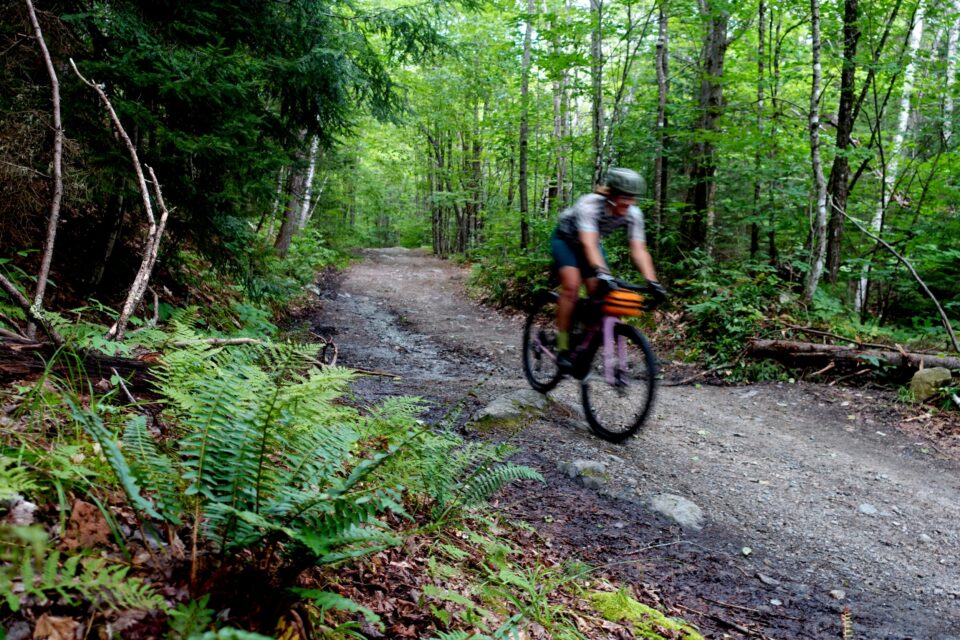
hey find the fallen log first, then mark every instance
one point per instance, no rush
(23, 358)
(811, 354)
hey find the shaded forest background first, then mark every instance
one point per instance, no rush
(285, 134)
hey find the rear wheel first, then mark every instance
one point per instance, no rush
(617, 407)
(540, 346)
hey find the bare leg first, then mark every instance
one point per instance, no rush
(569, 292)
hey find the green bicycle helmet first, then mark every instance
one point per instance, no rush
(625, 182)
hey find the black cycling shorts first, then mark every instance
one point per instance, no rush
(567, 255)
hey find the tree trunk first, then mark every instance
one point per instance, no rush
(660, 181)
(952, 38)
(698, 225)
(596, 72)
(889, 173)
(53, 218)
(840, 171)
(819, 233)
(308, 196)
(292, 213)
(524, 127)
(758, 157)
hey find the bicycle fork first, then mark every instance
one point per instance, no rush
(613, 370)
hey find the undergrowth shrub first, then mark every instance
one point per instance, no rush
(727, 307)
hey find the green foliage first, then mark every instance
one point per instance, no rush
(189, 619)
(327, 600)
(728, 307)
(42, 572)
(15, 479)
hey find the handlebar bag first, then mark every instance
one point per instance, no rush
(623, 303)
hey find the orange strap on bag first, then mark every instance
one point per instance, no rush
(623, 303)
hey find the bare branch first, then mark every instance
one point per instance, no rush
(916, 276)
(54, 217)
(152, 247)
(30, 310)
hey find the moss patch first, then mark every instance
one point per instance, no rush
(647, 621)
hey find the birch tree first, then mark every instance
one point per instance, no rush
(889, 171)
(952, 37)
(819, 234)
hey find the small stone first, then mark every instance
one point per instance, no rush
(868, 509)
(926, 382)
(838, 594)
(776, 602)
(677, 508)
(746, 551)
(767, 580)
(925, 538)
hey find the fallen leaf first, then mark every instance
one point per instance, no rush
(55, 628)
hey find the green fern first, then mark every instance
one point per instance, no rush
(93, 425)
(15, 479)
(328, 600)
(190, 618)
(39, 571)
(491, 479)
(153, 469)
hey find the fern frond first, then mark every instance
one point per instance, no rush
(15, 479)
(93, 425)
(42, 572)
(190, 618)
(230, 633)
(486, 483)
(328, 600)
(153, 469)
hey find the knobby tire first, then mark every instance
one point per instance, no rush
(615, 414)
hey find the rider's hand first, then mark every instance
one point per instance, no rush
(658, 291)
(606, 281)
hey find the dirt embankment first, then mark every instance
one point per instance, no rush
(812, 499)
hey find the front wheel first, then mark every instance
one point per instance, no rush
(618, 391)
(540, 346)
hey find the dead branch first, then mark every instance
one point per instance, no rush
(123, 385)
(156, 229)
(54, 217)
(31, 312)
(216, 342)
(827, 334)
(913, 272)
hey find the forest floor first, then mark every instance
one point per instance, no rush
(815, 499)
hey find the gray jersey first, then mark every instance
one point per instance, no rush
(589, 213)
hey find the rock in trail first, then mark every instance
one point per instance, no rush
(816, 481)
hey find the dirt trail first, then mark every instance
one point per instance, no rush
(818, 482)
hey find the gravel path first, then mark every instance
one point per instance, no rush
(835, 506)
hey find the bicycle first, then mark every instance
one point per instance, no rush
(617, 389)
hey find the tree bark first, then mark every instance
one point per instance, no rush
(952, 38)
(296, 183)
(840, 171)
(308, 196)
(699, 220)
(819, 233)
(889, 173)
(596, 74)
(524, 127)
(814, 354)
(53, 218)
(660, 173)
(758, 157)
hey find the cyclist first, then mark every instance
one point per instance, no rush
(578, 254)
